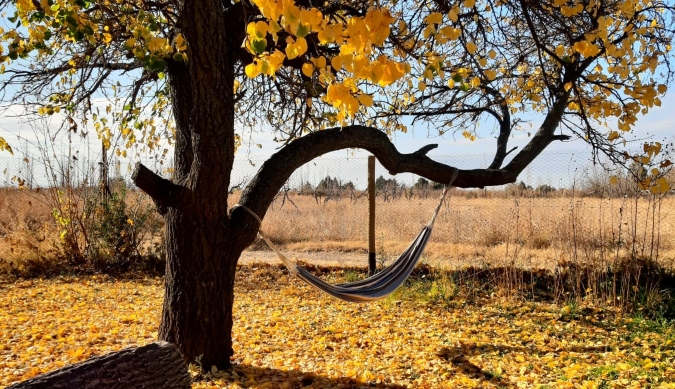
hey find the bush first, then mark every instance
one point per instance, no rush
(104, 232)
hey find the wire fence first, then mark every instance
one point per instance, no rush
(550, 171)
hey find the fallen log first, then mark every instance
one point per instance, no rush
(157, 365)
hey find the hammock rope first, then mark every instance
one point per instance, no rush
(375, 287)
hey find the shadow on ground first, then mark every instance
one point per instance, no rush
(459, 357)
(246, 375)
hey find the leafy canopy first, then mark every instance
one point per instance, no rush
(304, 67)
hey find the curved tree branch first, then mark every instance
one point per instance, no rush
(274, 173)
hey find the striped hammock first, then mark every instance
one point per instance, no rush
(375, 287)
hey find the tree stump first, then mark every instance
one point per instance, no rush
(158, 365)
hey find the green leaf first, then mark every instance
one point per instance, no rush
(259, 46)
(302, 31)
(71, 20)
(156, 64)
(78, 35)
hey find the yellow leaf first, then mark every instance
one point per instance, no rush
(4, 146)
(469, 3)
(471, 47)
(434, 18)
(586, 49)
(366, 100)
(257, 29)
(336, 62)
(307, 69)
(319, 62)
(614, 180)
(130, 43)
(573, 106)
(662, 185)
(560, 50)
(179, 41)
(296, 48)
(252, 70)
(450, 32)
(452, 15)
(613, 135)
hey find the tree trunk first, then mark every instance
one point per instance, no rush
(197, 311)
(157, 365)
(202, 245)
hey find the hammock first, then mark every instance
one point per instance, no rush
(375, 287)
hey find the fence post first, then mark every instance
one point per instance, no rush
(104, 184)
(371, 215)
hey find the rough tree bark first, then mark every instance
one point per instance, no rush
(155, 366)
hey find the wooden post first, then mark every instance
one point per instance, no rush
(104, 184)
(371, 216)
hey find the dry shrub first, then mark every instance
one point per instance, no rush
(49, 231)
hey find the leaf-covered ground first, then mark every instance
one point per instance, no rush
(290, 336)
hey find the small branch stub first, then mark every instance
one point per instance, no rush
(163, 192)
(424, 150)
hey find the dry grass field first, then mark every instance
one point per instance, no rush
(526, 231)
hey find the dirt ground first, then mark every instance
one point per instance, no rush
(316, 258)
(337, 259)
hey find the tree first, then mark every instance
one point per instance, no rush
(382, 183)
(329, 184)
(422, 183)
(340, 74)
(545, 189)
